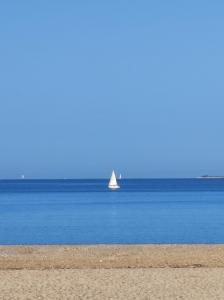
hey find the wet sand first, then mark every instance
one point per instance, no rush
(112, 272)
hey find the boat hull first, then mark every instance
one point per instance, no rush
(115, 187)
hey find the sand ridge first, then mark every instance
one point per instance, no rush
(111, 256)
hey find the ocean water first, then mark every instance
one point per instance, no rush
(86, 212)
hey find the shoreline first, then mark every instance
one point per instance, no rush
(111, 256)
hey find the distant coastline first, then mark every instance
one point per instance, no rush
(211, 177)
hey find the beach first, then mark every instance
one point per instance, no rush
(112, 272)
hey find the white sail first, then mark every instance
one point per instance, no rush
(113, 182)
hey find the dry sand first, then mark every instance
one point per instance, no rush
(112, 272)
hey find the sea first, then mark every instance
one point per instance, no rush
(142, 211)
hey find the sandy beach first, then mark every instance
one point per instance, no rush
(112, 272)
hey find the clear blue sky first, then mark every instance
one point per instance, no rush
(87, 86)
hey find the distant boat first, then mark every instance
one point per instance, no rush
(113, 182)
(120, 176)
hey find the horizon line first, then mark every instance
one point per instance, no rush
(107, 178)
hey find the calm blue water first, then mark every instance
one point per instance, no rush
(85, 212)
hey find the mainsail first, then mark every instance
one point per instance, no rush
(113, 182)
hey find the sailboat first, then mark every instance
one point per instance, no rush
(113, 182)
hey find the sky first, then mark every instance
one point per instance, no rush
(91, 86)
